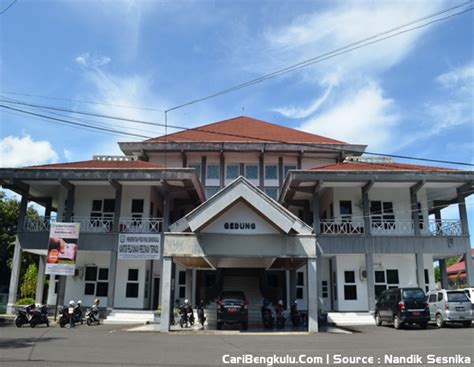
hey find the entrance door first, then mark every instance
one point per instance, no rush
(156, 292)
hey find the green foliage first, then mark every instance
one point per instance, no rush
(28, 284)
(25, 301)
(9, 212)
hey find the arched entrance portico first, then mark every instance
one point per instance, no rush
(241, 229)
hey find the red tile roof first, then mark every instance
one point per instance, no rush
(364, 166)
(244, 129)
(460, 266)
(101, 164)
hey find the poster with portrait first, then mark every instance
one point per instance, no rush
(62, 248)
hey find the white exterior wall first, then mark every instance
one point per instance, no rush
(121, 301)
(351, 263)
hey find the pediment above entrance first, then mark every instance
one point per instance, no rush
(243, 205)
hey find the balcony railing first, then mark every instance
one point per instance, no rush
(337, 227)
(397, 227)
(445, 227)
(141, 225)
(99, 225)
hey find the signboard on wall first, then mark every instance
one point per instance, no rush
(62, 248)
(139, 247)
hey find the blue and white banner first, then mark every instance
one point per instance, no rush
(139, 247)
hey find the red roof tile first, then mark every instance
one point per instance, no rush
(364, 166)
(100, 164)
(460, 266)
(244, 129)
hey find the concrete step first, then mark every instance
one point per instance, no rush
(351, 318)
(130, 317)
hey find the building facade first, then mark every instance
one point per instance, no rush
(243, 204)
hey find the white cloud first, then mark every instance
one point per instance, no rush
(87, 60)
(461, 76)
(363, 115)
(24, 151)
(303, 112)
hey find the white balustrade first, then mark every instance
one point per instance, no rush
(141, 225)
(338, 227)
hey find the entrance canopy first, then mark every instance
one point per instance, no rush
(240, 226)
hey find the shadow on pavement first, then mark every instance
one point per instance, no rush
(23, 342)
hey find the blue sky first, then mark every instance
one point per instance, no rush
(410, 95)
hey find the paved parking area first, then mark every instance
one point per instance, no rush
(112, 345)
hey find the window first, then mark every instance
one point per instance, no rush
(211, 191)
(213, 172)
(382, 215)
(102, 209)
(299, 285)
(131, 290)
(427, 280)
(182, 284)
(420, 215)
(379, 289)
(350, 290)
(286, 169)
(232, 171)
(392, 276)
(432, 298)
(251, 171)
(197, 168)
(272, 192)
(56, 283)
(324, 288)
(271, 172)
(345, 208)
(440, 296)
(96, 281)
(334, 282)
(379, 276)
(137, 209)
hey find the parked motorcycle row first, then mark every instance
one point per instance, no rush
(69, 315)
(297, 317)
(186, 313)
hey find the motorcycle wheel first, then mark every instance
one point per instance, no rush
(89, 322)
(18, 322)
(181, 323)
(32, 323)
(62, 323)
(47, 323)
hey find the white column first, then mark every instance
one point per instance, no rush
(469, 268)
(443, 273)
(420, 270)
(193, 288)
(165, 294)
(312, 295)
(14, 278)
(40, 281)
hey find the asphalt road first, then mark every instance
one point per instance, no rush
(112, 345)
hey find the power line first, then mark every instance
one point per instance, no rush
(73, 123)
(8, 7)
(83, 101)
(312, 145)
(331, 54)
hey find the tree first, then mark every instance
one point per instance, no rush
(28, 284)
(449, 261)
(9, 212)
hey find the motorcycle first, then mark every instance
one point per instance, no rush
(78, 314)
(267, 318)
(39, 316)
(200, 314)
(187, 316)
(92, 316)
(23, 316)
(297, 318)
(65, 318)
(280, 318)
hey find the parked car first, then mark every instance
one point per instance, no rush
(232, 308)
(469, 293)
(402, 306)
(450, 306)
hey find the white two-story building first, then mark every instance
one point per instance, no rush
(244, 204)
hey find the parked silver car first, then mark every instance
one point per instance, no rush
(469, 293)
(449, 306)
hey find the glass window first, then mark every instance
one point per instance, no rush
(271, 172)
(197, 168)
(232, 171)
(440, 296)
(102, 289)
(379, 289)
(427, 277)
(103, 274)
(91, 273)
(457, 297)
(137, 205)
(131, 290)
(109, 205)
(392, 276)
(89, 289)
(133, 274)
(299, 293)
(211, 191)
(213, 172)
(182, 292)
(379, 276)
(286, 169)
(182, 277)
(251, 171)
(300, 278)
(345, 207)
(349, 276)
(350, 292)
(96, 205)
(432, 298)
(272, 192)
